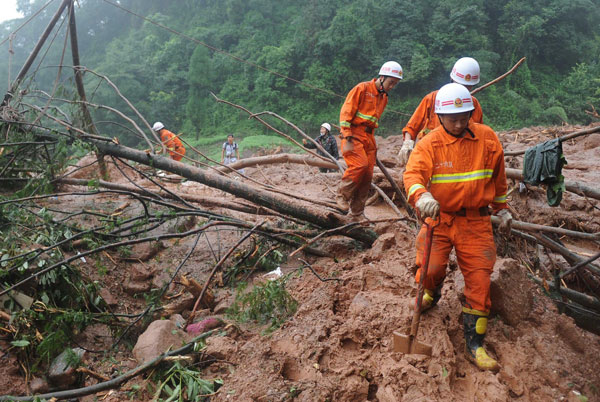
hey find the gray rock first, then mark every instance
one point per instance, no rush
(160, 336)
(60, 373)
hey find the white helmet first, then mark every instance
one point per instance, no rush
(391, 69)
(453, 98)
(466, 71)
(158, 126)
(327, 126)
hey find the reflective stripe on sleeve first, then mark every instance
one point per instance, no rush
(345, 124)
(414, 188)
(500, 199)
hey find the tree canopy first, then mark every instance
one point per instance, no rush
(299, 59)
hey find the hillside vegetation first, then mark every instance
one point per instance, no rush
(227, 46)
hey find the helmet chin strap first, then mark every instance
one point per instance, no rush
(381, 81)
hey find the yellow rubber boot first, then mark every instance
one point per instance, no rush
(475, 326)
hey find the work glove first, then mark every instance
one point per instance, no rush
(407, 147)
(348, 145)
(428, 206)
(505, 221)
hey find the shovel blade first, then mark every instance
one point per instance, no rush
(408, 345)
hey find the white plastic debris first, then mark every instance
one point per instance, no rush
(275, 274)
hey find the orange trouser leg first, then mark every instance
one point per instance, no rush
(361, 162)
(476, 255)
(473, 241)
(438, 260)
(178, 154)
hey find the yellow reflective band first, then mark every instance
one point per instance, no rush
(481, 325)
(414, 188)
(500, 198)
(475, 312)
(367, 117)
(345, 124)
(462, 177)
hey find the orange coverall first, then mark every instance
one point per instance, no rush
(424, 118)
(465, 175)
(359, 117)
(173, 144)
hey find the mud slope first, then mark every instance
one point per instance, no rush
(338, 345)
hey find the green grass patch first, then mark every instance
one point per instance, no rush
(267, 303)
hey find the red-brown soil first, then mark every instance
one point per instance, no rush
(337, 347)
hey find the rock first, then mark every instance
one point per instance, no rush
(180, 304)
(160, 336)
(161, 279)
(144, 251)
(140, 272)
(221, 347)
(382, 244)
(201, 327)
(110, 300)
(178, 320)
(135, 288)
(39, 385)
(60, 373)
(511, 291)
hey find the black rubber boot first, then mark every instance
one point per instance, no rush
(475, 325)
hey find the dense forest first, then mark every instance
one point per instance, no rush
(299, 59)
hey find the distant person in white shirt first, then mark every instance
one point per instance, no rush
(230, 152)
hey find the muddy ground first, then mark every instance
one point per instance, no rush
(337, 346)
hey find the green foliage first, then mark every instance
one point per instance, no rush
(63, 296)
(267, 303)
(330, 44)
(181, 383)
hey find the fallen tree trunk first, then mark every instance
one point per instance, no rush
(204, 201)
(284, 205)
(578, 297)
(278, 158)
(572, 186)
(571, 257)
(533, 227)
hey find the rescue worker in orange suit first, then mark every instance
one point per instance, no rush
(359, 117)
(457, 172)
(170, 140)
(466, 72)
